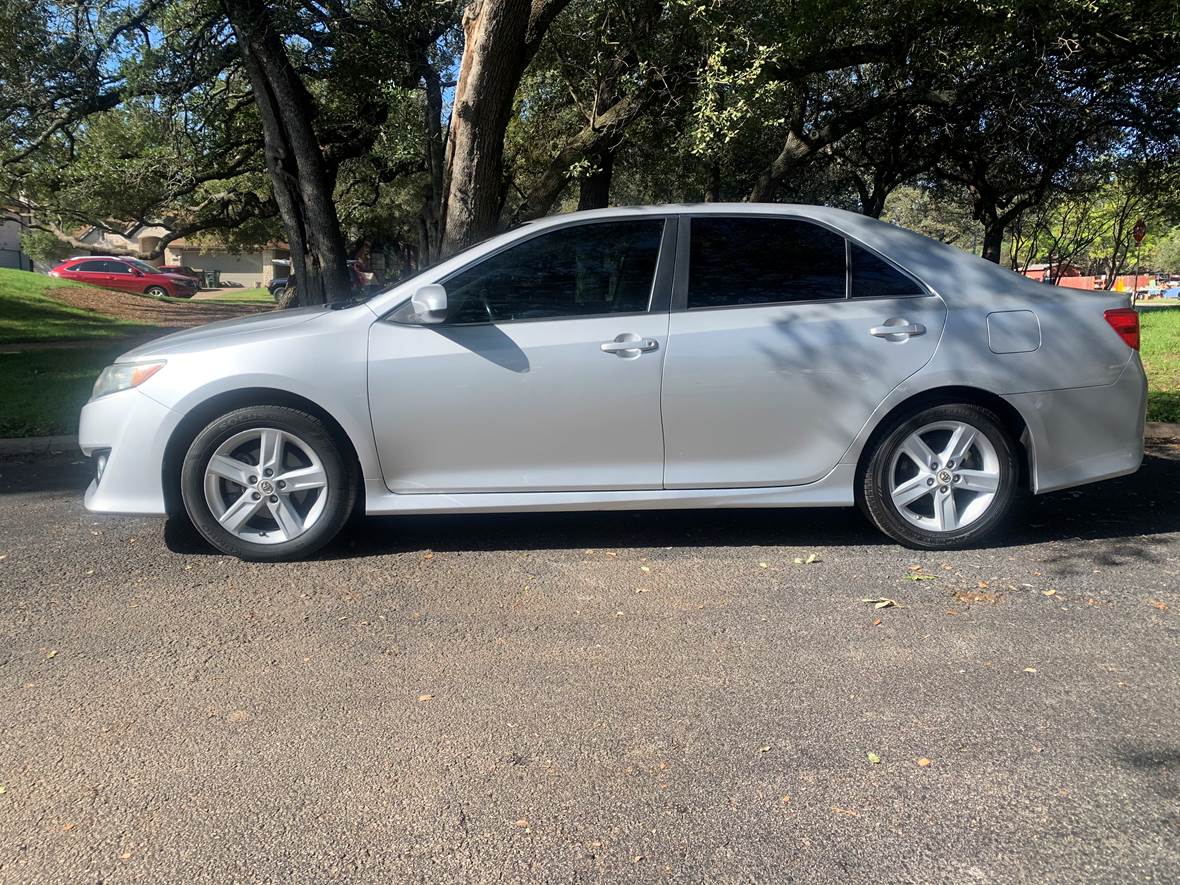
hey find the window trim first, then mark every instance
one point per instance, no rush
(683, 254)
(661, 288)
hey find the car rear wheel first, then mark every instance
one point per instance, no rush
(944, 477)
(267, 483)
(156, 291)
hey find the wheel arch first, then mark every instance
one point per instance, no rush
(1009, 416)
(218, 404)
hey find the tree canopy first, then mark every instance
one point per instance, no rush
(426, 126)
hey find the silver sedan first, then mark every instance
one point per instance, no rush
(683, 356)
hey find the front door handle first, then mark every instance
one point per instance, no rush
(629, 344)
(897, 329)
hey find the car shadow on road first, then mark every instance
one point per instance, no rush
(1128, 518)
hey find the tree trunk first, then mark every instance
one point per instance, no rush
(299, 175)
(499, 39)
(993, 239)
(594, 189)
(430, 244)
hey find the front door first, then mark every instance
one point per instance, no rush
(787, 339)
(545, 376)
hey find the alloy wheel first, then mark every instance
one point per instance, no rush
(265, 486)
(944, 476)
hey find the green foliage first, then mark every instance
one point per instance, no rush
(43, 246)
(1160, 350)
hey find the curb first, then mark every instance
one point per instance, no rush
(51, 445)
(38, 445)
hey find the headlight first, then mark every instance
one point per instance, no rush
(123, 376)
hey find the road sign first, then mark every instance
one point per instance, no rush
(1139, 231)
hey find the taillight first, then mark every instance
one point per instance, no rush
(1125, 321)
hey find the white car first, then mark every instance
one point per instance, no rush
(680, 356)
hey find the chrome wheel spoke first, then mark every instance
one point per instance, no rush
(918, 452)
(911, 490)
(960, 443)
(270, 453)
(302, 479)
(978, 480)
(285, 515)
(946, 513)
(239, 512)
(237, 472)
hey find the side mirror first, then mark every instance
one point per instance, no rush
(137, 271)
(429, 304)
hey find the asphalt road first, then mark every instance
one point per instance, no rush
(666, 696)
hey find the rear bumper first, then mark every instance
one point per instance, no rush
(135, 430)
(1085, 434)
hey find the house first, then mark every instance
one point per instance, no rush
(1046, 272)
(11, 254)
(243, 269)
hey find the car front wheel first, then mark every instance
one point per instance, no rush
(156, 291)
(267, 483)
(942, 478)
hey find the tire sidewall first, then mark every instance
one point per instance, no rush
(876, 481)
(156, 292)
(341, 492)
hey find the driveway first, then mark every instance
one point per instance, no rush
(627, 697)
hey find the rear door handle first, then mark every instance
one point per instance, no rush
(628, 343)
(897, 330)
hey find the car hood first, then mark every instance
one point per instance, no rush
(226, 331)
(178, 277)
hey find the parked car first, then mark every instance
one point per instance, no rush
(277, 287)
(690, 356)
(182, 269)
(126, 274)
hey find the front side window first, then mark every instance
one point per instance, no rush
(115, 267)
(872, 277)
(582, 270)
(739, 261)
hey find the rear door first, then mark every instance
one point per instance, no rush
(783, 339)
(546, 374)
(91, 271)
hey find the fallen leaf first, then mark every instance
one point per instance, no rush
(3, 556)
(786, 800)
(811, 559)
(522, 823)
(3, 789)
(915, 568)
(876, 622)
(874, 758)
(923, 762)
(52, 654)
(642, 590)
(763, 565)
(644, 568)
(1049, 592)
(880, 601)
(983, 585)
(1160, 604)
(429, 554)
(846, 811)
(1030, 669)
(126, 855)
(423, 698)
(65, 828)
(764, 749)
(610, 553)
(916, 576)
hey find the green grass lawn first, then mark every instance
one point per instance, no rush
(28, 314)
(1160, 349)
(42, 391)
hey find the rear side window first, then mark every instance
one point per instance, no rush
(88, 267)
(737, 261)
(874, 278)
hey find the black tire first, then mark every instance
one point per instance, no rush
(156, 291)
(875, 481)
(340, 470)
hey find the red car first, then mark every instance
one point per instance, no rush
(127, 274)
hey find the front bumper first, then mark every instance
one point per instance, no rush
(1085, 434)
(135, 430)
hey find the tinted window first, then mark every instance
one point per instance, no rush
(89, 267)
(575, 271)
(115, 267)
(874, 278)
(763, 260)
